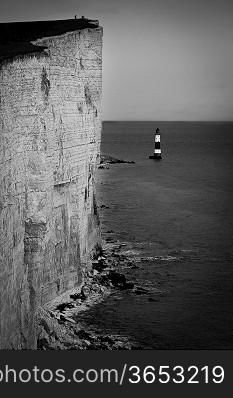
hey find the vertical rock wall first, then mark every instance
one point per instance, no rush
(50, 126)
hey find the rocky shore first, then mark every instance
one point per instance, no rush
(106, 160)
(61, 325)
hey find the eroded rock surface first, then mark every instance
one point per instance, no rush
(50, 126)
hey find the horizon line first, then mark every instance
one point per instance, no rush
(166, 121)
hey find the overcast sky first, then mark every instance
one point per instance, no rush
(163, 59)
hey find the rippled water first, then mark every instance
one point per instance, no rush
(175, 218)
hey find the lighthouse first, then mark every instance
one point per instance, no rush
(157, 150)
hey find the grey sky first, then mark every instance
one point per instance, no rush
(163, 59)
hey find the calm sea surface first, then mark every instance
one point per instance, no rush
(176, 214)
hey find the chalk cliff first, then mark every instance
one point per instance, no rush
(50, 128)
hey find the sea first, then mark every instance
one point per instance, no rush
(174, 218)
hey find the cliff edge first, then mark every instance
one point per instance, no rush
(50, 130)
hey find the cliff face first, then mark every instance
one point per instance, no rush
(50, 126)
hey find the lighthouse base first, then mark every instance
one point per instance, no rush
(156, 156)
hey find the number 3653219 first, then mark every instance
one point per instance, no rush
(177, 374)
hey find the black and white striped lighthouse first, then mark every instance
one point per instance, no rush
(157, 150)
